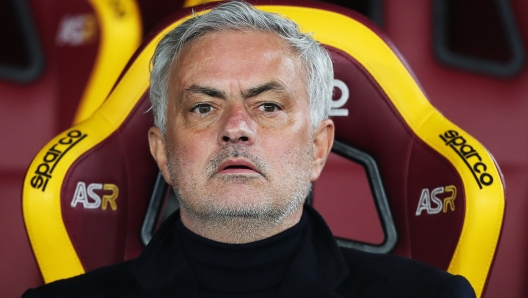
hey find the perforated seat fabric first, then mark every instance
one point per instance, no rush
(444, 190)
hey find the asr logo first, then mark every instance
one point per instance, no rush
(336, 106)
(90, 199)
(76, 30)
(432, 204)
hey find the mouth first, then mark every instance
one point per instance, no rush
(237, 166)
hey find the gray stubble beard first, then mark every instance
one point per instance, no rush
(244, 222)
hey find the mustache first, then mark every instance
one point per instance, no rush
(237, 151)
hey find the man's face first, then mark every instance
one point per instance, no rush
(239, 141)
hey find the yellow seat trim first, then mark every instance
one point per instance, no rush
(120, 30)
(191, 3)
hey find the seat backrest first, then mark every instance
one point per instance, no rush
(439, 192)
(54, 54)
(484, 38)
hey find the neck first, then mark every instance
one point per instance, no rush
(238, 230)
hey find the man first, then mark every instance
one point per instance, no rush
(240, 100)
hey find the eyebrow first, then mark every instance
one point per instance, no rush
(209, 91)
(251, 92)
(271, 86)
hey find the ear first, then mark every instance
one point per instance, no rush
(158, 150)
(323, 141)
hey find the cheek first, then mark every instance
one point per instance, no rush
(190, 154)
(289, 151)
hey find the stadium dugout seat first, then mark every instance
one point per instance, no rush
(55, 55)
(439, 196)
(490, 104)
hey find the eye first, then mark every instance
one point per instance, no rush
(202, 108)
(269, 107)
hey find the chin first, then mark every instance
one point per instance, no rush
(243, 199)
(239, 203)
(243, 196)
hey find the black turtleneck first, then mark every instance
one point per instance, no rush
(301, 262)
(241, 270)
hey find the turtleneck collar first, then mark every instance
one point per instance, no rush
(314, 269)
(254, 269)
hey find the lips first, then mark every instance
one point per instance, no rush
(237, 166)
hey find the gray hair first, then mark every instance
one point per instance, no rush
(238, 15)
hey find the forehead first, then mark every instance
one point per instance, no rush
(247, 56)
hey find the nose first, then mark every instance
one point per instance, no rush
(237, 128)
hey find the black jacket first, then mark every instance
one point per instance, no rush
(319, 269)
